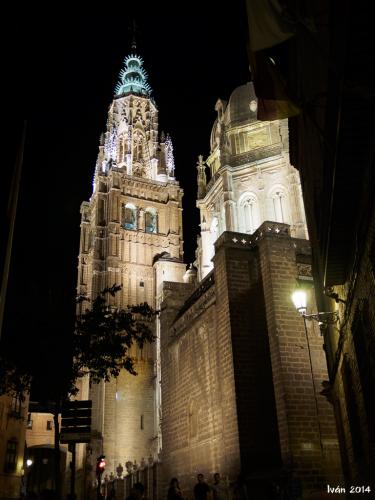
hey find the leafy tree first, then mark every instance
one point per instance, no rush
(104, 335)
(100, 343)
(100, 347)
(15, 380)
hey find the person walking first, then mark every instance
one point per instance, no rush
(174, 491)
(201, 489)
(219, 488)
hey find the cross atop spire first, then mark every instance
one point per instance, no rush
(134, 41)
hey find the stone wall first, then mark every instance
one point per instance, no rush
(199, 415)
(241, 376)
(352, 365)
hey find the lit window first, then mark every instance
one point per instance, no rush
(150, 220)
(129, 216)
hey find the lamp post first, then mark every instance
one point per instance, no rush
(300, 303)
(29, 463)
(323, 318)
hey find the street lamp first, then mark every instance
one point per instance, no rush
(299, 299)
(29, 462)
(323, 318)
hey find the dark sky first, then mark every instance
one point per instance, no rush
(61, 69)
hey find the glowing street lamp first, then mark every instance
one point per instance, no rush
(29, 462)
(299, 301)
(323, 318)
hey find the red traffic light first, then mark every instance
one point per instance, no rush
(100, 465)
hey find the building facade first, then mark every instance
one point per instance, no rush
(251, 178)
(131, 234)
(233, 380)
(241, 370)
(332, 145)
(13, 417)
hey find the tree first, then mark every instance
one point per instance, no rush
(104, 335)
(15, 380)
(100, 347)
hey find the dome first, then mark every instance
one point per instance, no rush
(242, 104)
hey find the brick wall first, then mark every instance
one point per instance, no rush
(198, 398)
(237, 386)
(305, 419)
(238, 277)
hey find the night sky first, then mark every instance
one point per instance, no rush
(62, 68)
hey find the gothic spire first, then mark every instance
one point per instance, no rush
(133, 77)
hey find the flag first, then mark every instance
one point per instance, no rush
(269, 27)
(274, 102)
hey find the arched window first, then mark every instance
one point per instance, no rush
(129, 216)
(279, 206)
(214, 228)
(151, 220)
(249, 214)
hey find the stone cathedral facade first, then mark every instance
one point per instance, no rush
(131, 234)
(233, 381)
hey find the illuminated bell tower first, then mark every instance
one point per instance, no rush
(131, 234)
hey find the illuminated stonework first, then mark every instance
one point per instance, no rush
(131, 234)
(133, 78)
(252, 179)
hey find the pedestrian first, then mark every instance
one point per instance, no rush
(219, 488)
(201, 489)
(137, 492)
(174, 491)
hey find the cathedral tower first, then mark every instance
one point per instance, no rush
(131, 234)
(251, 178)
